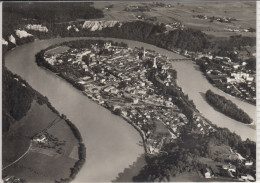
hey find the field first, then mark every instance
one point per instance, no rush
(14, 147)
(41, 163)
(184, 11)
(160, 127)
(37, 164)
(63, 132)
(37, 119)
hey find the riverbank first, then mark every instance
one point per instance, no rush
(126, 119)
(55, 147)
(118, 139)
(198, 86)
(102, 87)
(47, 84)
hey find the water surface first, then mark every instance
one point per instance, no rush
(112, 144)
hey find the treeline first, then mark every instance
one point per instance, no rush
(89, 42)
(16, 99)
(41, 62)
(227, 107)
(156, 34)
(226, 47)
(81, 153)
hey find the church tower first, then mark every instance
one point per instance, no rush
(154, 63)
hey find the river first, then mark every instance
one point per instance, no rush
(112, 144)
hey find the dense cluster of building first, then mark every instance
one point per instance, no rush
(231, 77)
(118, 80)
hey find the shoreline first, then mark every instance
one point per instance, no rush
(127, 120)
(213, 84)
(131, 45)
(103, 37)
(83, 92)
(42, 100)
(93, 100)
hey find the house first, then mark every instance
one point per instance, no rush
(249, 163)
(250, 177)
(247, 177)
(82, 82)
(124, 113)
(8, 178)
(229, 167)
(114, 91)
(135, 101)
(103, 80)
(86, 78)
(207, 173)
(168, 104)
(41, 138)
(236, 66)
(108, 89)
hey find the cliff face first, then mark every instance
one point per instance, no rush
(4, 42)
(12, 39)
(22, 34)
(98, 25)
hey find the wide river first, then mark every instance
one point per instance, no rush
(112, 144)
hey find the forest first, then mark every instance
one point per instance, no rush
(156, 34)
(15, 13)
(226, 47)
(227, 107)
(16, 99)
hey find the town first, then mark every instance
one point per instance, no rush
(118, 80)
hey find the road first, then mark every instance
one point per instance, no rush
(19, 157)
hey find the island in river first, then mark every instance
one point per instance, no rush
(34, 148)
(138, 85)
(227, 107)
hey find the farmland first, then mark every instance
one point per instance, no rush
(40, 146)
(183, 12)
(38, 160)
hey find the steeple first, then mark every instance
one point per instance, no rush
(144, 53)
(154, 63)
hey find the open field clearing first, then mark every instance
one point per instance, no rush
(37, 119)
(14, 147)
(41, 163)
(63, 132)
(29, 174)
(35, 166)
(243, 12)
